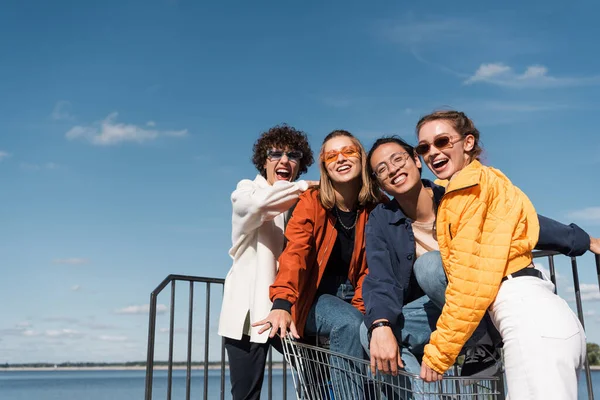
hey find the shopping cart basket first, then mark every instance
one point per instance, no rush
(319, 373)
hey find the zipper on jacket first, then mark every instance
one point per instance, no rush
(457, 189)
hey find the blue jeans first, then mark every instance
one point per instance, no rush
(418, 321)
(340, 321)
(430, 274)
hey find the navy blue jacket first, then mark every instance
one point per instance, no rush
(390, 246)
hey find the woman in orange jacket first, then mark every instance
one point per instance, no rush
(318, 288)
(486, 230)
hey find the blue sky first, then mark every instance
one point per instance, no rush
(125, 125)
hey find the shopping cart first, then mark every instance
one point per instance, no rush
(320, 374)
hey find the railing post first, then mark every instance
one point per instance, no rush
(150, 355)
(188, 378)
(577, 289)
(598, 268)
(270, 377)
(552, 272)
(206, 339)
(171, 340)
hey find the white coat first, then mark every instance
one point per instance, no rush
(257, 234)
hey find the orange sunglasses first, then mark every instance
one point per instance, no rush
(346, 151)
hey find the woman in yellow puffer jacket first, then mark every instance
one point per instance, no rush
(486, 229)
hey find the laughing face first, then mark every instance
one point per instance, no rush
(342, 159)
(397, 172)
(281, 169)
(453, 157)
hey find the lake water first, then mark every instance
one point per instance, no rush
(129, 385)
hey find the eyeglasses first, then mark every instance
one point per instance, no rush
(397, 160)
(440, 142)
(346, 151)
(294, 155)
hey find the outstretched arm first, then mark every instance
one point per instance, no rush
(569, 240)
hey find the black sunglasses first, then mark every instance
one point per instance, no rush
(293, 155)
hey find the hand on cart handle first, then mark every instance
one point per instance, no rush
(595, 245)
(385, 353)
(278, 321)
(430, 375)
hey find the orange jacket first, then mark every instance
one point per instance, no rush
(486, 229)
(311, 235)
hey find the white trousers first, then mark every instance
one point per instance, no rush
(544, 343)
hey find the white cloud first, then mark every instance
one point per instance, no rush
(75, 288)
(30, 333)
(109, 132)
(3, 155)
(61, 319)
(23, 324)
(38, 167)
(70, 333)
(97, 326)
(337, 102)
(62, 111)
(589, 291)
(546, 271)
(108, 338)
(150, 123)
(535, 76)
(589, 215)
(142, 309)
(432, 30)
(175, 330)
(71, 261)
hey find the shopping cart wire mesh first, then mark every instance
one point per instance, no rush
(320, 374)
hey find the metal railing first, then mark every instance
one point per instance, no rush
(210, 282)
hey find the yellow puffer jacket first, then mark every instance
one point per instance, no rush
(487, 228)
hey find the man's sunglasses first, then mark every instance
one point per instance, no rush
(293, 155)
(440, 142)
(346, 151)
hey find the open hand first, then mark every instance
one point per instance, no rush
(277, 321)
(595, 245)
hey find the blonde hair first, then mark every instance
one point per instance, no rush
(368, 191)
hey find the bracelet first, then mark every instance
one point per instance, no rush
(376, 325)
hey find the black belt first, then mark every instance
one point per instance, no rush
(525, 272)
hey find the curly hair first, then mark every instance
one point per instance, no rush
(282, 137)
(460, 122)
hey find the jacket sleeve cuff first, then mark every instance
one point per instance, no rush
(282, 304)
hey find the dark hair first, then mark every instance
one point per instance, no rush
(282, 137)
(389, 139)
(460, 122)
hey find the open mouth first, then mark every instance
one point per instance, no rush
(343, 168)
(283, 174)
(399, 179)
(440, 163)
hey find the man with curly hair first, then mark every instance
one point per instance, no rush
(260, 213)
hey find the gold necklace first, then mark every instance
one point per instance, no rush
(342, 223)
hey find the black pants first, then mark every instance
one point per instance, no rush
(247, 365)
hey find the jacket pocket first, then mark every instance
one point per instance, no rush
(450, 231)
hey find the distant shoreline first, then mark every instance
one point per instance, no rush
(277, 365)
(196, 367)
